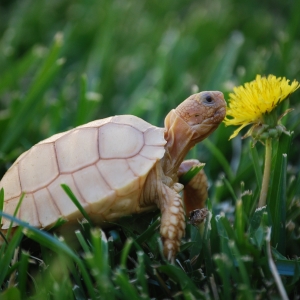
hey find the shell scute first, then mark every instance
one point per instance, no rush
(39, 168)
(64, 204)
(11, 183)
(20, 157)
(133, 121)
(93, 188)
(118, 175)
(28, 212)
(9, 208)
(140, 165)
(77, 149)
(47, 210)
(153, 152)
(119, 141)
(154, 136)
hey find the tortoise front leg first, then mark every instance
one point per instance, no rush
(195, 192)
(172, 220)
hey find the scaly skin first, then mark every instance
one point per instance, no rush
(191, 122)
(195, 192)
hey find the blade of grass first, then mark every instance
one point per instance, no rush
(256, 219)
(87, 103)
(148, 232)
(224, 265)
(29, 104)
(240, 222)
(14, 215)
(77, 203)
(141, 275)
(1, 202)
(230, 189)
(221, 72)
(126, 287)
(220, 157)
(279, 230)
(197, 242)
(11, 293)
(283, 146)
(249, 203)
(58, 223)
(55, 245)
(18, 68)
(189, 175)
(246, 286)
(111, 253)
(125, 252)
(9, 252)
(82, 241)
(226, 234)
(22, 273)
(81, 110)
(214, 235)
(273, 268)
(297, 191)
(207, 246)
(190, 291)
(100, 246)
(256, 165)
(98, 263)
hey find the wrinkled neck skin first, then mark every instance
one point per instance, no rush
(180, 139)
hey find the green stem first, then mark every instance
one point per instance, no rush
(266, 177)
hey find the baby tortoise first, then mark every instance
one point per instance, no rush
(115, 167)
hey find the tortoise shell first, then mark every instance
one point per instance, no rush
(104, 162)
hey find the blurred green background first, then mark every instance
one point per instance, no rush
(66, 62)
(63, 63)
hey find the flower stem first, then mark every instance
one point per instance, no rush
(266, 177)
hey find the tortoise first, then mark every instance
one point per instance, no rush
(117, 166)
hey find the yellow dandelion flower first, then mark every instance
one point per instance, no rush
(249, 104)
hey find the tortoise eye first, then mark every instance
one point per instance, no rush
(208, 98)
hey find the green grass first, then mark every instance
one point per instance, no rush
(64, 63)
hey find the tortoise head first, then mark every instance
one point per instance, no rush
(203, 112)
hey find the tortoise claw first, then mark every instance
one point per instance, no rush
(170, 256)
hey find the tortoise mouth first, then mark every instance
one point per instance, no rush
(217, 117)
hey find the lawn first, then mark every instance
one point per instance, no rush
(64, 63)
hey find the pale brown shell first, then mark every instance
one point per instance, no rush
(104, 162)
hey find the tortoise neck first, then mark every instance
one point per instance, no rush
(179, 136)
